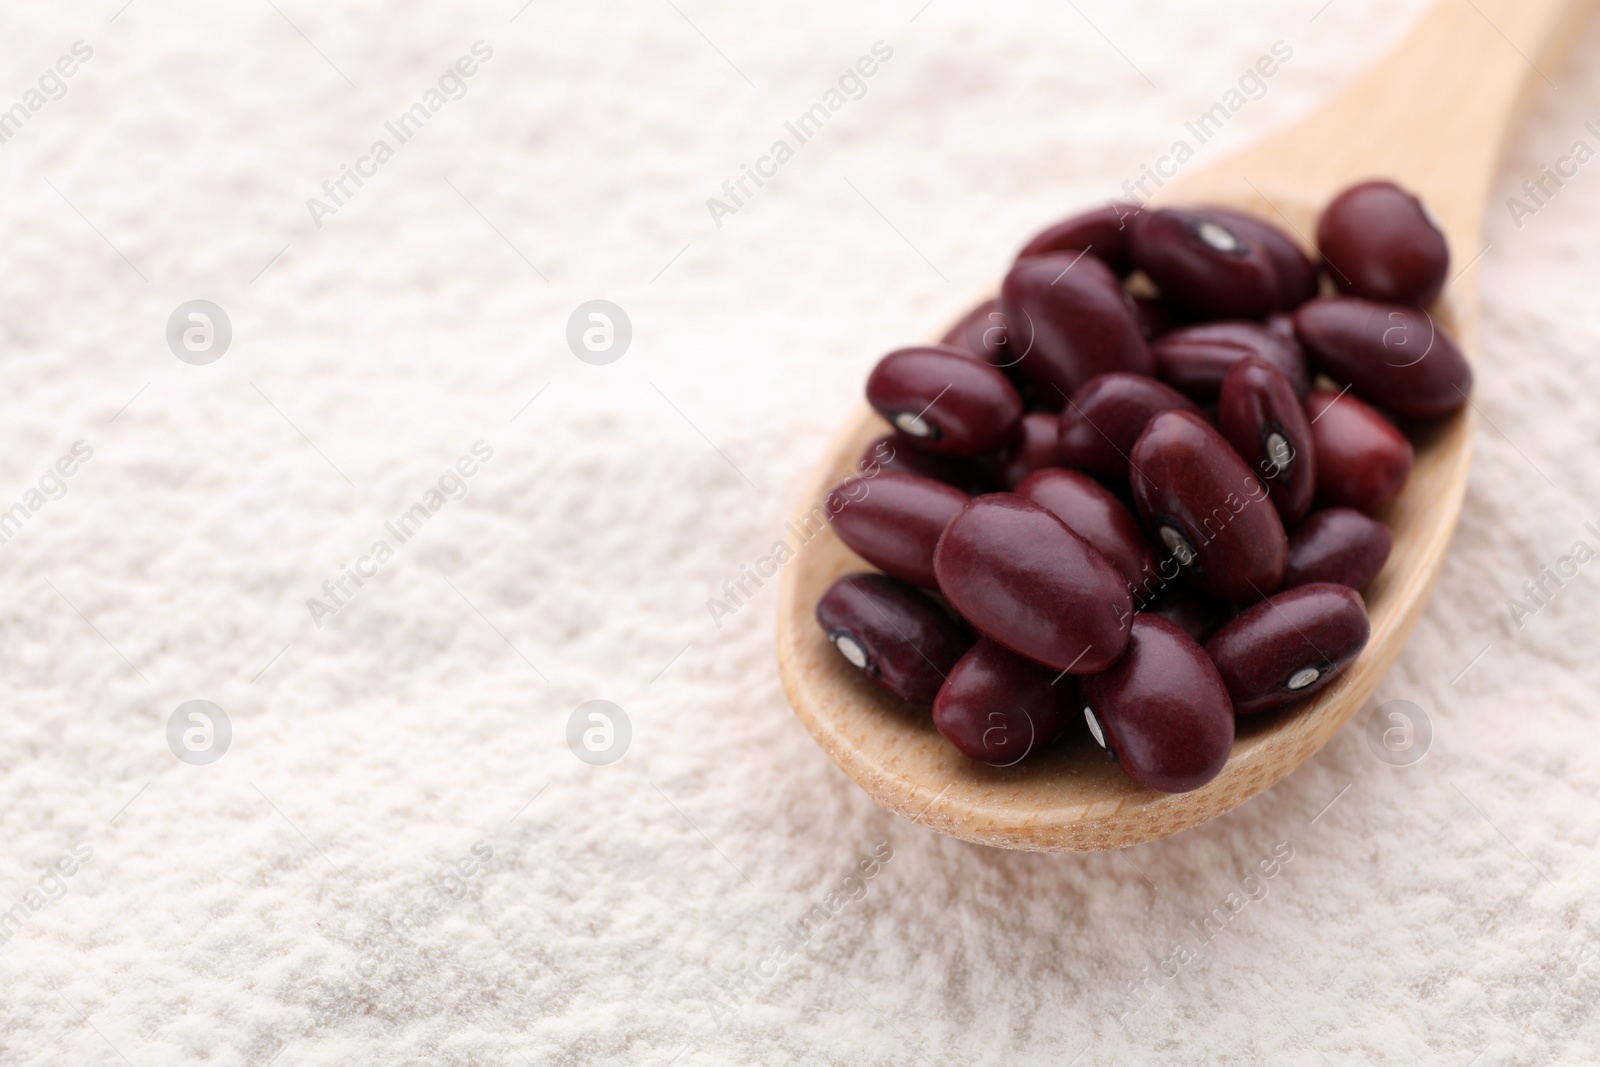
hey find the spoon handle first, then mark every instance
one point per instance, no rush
(1433, 114)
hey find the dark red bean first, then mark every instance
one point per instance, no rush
(1102, 232)
(1094, 513)
(1205, 268)
(1107, 415)
(904, 642)
(1338, 545)
(945, 400)
(1289, 646)
(1197, 614)
(1362, 460)
(1208, 507)
(1195, 359)
(1155, 318)
(1380, 243)
(998, 707)
(1162, 712)
(1068, 320)
(1022, 578)
(1039, 448)
(895, 452)
(982, 332)
(894, 521)
(1282, 322)
(1298, 276)
(1261, 417)
(1397, 357)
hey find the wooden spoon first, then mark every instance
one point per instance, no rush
(1433, 116)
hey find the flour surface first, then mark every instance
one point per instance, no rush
(399, 859)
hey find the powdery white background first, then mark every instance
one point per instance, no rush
(232, 914)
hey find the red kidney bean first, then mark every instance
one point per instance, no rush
(1198, 615)
(1380, 243)
(895, 452)
(1107, 415)
(1208, 508)
(1362, 460)
(1338, 545)
(1289, 646)
(945, 400)
(1162, 712)
(998, 707)
(1102, 233)
(1018, 575)
(902, 641)
(1155, 318)
(1298, 277)
(1282, 322)
(1195, 359)
(1262, 419)
(1094, 513)
(982, 332)
(1396, 357)
(1069, 320)
(1038, 449)
(894, 521)
(1205, 268)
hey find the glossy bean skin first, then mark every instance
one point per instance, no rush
(1019, 576)
(946, 401)
(1262, 418)
(904, 643)
(1039, 448)
(1337, 545)
(1162, 713)
(1094, 513)
(1102, 232)
(895, 452)
(1362, 460)
(1069, 320)
(998, 707)
(1195, 359)
(1107, 415)
(1205, 268)
(1380, 243)
(1289, 646)
(1396, 357)
(1283, 322)
(893, 521)
(982, 333)
(1299, 278)
(1197, 615)
(1208, 507)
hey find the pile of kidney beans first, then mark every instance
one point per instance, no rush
(1140, 490)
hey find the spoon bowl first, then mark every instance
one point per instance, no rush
(1433, 117)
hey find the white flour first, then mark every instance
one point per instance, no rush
(399, 859)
